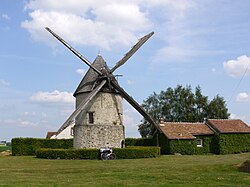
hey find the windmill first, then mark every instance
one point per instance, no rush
(98, 113)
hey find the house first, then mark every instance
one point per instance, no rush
(212, 136)
(231, 136)
(3, 143)
(50, 134)
(66, 133)
(185, 138)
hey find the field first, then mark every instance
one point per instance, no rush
(203, 170)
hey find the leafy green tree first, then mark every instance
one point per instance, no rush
(217, 108)
(181, 104)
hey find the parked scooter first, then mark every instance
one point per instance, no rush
(107, 153)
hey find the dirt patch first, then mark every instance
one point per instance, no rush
(5, 153)
(245, 167)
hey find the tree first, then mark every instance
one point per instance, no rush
(181, 104)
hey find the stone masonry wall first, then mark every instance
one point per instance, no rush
(108, 123)
(96, 136)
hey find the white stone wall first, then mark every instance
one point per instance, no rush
(108, 123)
(96, 136)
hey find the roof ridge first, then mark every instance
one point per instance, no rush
(224, 119)
(165, 122)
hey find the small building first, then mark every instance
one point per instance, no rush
(3, 143)
(223, 136)
(231, 136)
(66, 133)
(185, 138)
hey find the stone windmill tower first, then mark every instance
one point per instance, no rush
(98, 114)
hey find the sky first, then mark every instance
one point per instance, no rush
(205, 43)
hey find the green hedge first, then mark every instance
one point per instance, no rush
(233, 143)
(124, 153)
(139, 142)
(5, 148)
(28, 146)
(184, 147)
(137, 152)
(68, 153)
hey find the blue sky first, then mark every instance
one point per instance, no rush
(204, 43)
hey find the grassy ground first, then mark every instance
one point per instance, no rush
(203, 170)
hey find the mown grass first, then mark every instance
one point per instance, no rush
(203, 170)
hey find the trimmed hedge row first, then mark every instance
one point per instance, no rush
(68, 153)
(123, 153)
(28, 146)
(137, 152)
(5, 148)
(139, 142)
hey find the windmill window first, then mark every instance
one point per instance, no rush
(91, 117)
(199, 142)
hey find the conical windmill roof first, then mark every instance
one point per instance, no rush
(88, 81)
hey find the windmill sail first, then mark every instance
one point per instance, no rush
(135, 104)
(83, 106)
(132, 51)
(73, 50)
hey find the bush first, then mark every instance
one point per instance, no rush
(137, 152)
(139, 142)
(4, 148)
(28, 146)
(121, 153)
(68, 153)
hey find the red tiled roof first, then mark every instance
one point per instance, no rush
(49, 134)
(184, 130)
(229, 125)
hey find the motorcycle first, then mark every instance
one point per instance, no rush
(107, 153)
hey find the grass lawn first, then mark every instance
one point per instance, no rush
(202, 170)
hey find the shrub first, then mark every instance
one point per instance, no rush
(121, 153)
(139, 142)
(28, 146)
(68, 153)
(4, 148)
(137, 152)
(184, 147)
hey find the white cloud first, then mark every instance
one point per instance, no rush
(237, 67)
(129, 82)
(54, 97)
(213, 70)
(30, 113)
(81, 72)
(4, 83)
(5, 16)
(131, 120)
(245, 118)
(92, 23)
(243, 97)
(234, 116)
(20, 123)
